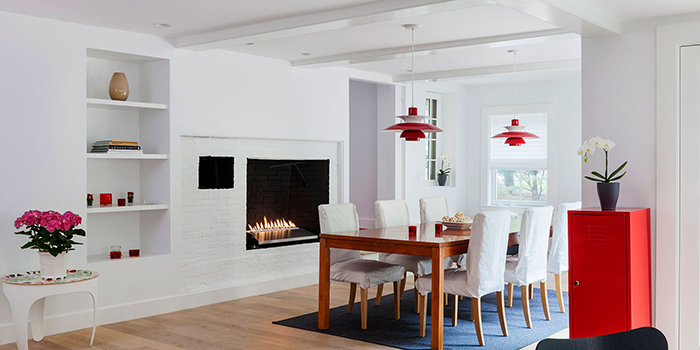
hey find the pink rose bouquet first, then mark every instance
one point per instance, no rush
(50, 231)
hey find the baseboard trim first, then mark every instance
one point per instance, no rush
(118, 313)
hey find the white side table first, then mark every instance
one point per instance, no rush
(27, 293)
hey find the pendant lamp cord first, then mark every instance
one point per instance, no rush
(515, 89)
(413, 76)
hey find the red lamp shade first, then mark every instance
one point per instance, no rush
(515, 136)
(411, 129)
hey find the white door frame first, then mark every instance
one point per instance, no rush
(669, 40)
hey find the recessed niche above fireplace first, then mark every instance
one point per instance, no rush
(215, 173)
(283, 196)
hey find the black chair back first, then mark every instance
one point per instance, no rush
(645, 338)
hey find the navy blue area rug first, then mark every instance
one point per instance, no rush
(383, 329)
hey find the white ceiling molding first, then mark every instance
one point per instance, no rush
(575, 15)
(461, 73)
(433, 48)
(354, 16)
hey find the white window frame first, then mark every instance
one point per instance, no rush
(445, 144)
(438, 138)
(487, 187)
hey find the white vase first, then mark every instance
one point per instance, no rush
(53, 267)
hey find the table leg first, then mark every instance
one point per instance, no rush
(324, 285)
(20, 316)
(438, 301)
(36, 319)
(94, 315)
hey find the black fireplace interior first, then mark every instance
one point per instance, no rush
(286, 189)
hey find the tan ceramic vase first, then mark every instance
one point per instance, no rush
(118, 87)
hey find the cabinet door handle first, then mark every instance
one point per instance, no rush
(576, 283)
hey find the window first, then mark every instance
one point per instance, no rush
(431, 139)
(517, 175)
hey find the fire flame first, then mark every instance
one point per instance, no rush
(272, 225)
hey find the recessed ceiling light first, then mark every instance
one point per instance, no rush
(303, 54)
(162, 25)
(407, 70)
(250, 44)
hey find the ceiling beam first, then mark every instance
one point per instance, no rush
(318, 22)
(468, 72)
(433, 48)
(576, 16)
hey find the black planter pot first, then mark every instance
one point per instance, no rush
(608, 193)
(441, 179)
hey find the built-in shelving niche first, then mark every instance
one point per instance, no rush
(143, 117)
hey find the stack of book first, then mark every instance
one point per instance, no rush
(115, 146)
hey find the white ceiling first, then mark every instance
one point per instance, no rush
(630, 10)
(457, 38)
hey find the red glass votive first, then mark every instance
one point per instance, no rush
(134, 253)
(105, 199)
(115, 254)
(412, 230)
(121, 202)
(438, 230)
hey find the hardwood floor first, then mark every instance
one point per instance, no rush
(237, 324)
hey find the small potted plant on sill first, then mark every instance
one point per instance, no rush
(444, 171)
(52, 234)
(608, 189)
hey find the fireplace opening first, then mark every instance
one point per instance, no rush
(283, 196)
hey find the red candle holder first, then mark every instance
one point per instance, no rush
(105, 199)
(412, 230)
(121, 202)
(134, 253)
(438, 230)
(116, 252)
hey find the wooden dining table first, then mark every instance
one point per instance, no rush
(397, 240)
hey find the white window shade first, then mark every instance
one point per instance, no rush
(531, 155)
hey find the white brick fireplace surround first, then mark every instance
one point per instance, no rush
(214, 221)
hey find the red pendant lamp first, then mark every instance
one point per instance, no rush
(413, 128)
(516, 135)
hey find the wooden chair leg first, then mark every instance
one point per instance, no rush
(454, 310)
(530, 292)
(447, 299)
(502, 313)
(351, 302)
(363, 306)
(545, 302)
(526, 304)
(397, 301)
(403, 286)
(560, 295)
(380, 292)
(472, 316)
(415, 293)
(423, 314)
(476, 310)
(510, 295)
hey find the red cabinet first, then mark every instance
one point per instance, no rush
(609, 271)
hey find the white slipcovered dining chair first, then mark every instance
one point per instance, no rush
(485, 267)
(558, 259)
(433, 209)
(348, 266)
(389, 213)
(530, 265)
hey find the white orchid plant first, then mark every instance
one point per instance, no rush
(445, 166)
(588, 147)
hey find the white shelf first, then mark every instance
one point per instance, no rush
(125, 156)
(104, 258)
(99, 102)
(117, 209)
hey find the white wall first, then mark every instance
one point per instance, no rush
(619, 103)
(363, 149)
(43, 65)
(564, 93)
